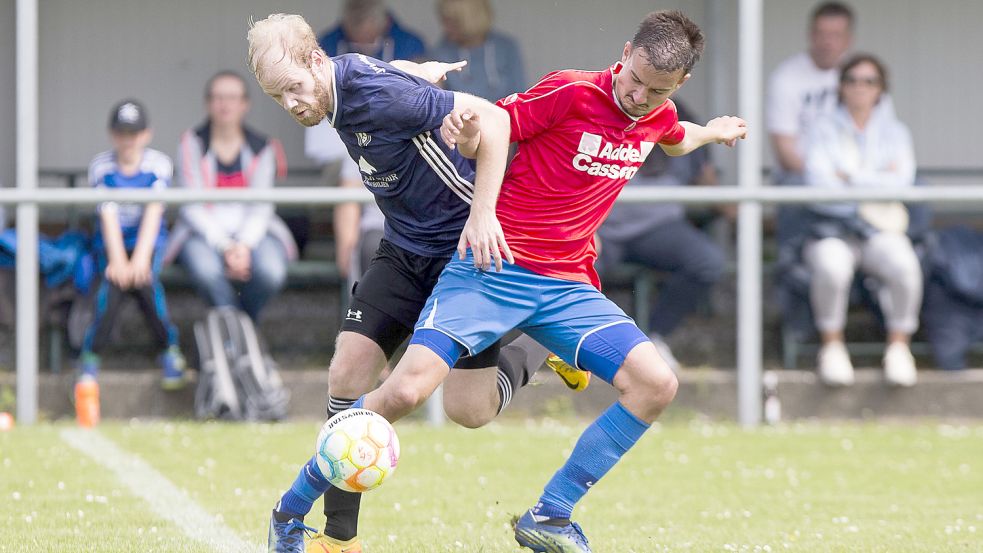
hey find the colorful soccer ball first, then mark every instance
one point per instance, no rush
(357, 450)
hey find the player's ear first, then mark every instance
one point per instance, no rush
(683, 80)
(626, 52)
(317, 59)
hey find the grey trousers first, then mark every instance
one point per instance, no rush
(888, 257)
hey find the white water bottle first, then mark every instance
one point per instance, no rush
(772, 405)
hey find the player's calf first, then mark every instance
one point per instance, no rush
(471, 396)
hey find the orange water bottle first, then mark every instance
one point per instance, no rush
(87, 401)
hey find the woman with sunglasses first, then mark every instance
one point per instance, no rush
(862, 144)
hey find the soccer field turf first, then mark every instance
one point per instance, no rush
(687, 486)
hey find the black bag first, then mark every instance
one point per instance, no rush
(957, 263)
(237, 379)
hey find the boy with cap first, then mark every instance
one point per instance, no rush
(128, 244)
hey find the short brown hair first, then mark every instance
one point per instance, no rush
(832, 9)
(474, 15)
(670, 41)
(865, 58)
(226, 74)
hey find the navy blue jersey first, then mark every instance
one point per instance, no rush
(389, 122)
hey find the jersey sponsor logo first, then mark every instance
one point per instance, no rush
(363, 138)
(590, 144)
(365, 167)
(624, 159)
(364, 59)
(369, 177)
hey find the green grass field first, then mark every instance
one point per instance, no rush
(687, 486)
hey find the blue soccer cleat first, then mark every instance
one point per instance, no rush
(287, 537)
(547, 538)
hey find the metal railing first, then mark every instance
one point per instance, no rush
(751, 199)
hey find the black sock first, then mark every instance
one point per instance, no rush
(341, 511)
(338, 404)
(340, 507)
(517, 362)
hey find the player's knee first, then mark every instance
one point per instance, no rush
(666, 387)
(405, 399)
(466, 414)
(659, 385)
(340, 377)
(651, 385)
(468, 418)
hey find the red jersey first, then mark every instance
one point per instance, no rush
(577, 150)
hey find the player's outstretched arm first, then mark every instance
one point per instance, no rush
(489, 129)
(430, 71)
(722, 130)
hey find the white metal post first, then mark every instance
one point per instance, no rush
(27, 213)
(749, 320)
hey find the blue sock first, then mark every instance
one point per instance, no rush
(309, 485)
(359, 403)
(597, 450)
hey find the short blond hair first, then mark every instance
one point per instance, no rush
(474, 16)
(289, 33)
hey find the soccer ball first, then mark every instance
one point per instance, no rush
(357, 450)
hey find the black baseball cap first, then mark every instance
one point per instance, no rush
(128, 116)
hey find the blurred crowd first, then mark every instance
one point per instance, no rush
(830, 121)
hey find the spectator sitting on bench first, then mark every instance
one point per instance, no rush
(495, 68)
(802, 89)
(862, 144)
(366, 27)
(659, 236)
(235, 253)
(129, 242)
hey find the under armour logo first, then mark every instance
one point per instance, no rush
(354, 315)
(363, 138)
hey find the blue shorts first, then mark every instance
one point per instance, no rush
(573, 320)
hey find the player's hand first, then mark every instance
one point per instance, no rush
(436, 71)
(119, 274)
(459, 127)
(484, 234)
(140, 272)
(728, 129)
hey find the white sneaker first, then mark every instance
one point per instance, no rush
(835, 368)
(663, 348)
(899, 365)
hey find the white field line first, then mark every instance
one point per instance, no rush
(164, 498)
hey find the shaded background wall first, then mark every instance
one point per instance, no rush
(94, 52)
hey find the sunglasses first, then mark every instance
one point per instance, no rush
(868, 81)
